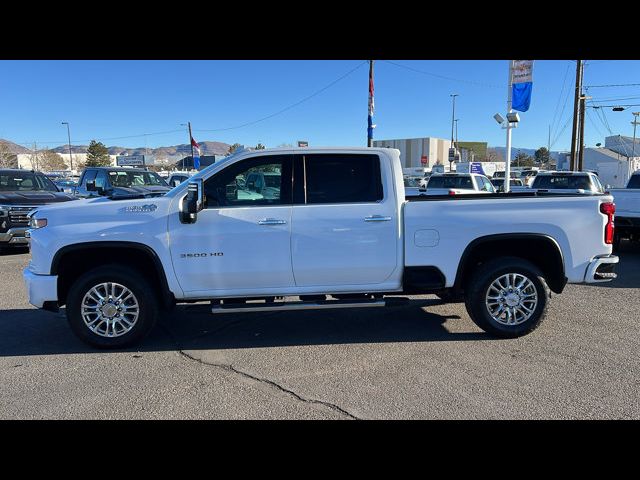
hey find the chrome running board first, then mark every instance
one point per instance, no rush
(286, 306)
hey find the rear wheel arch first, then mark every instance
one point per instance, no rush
(540, 249)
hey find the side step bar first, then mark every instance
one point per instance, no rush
(282, 306)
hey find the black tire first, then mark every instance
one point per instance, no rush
(478, 287)
(450, 297)
(127, 277)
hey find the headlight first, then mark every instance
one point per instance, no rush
(37, 222)
(4, 211)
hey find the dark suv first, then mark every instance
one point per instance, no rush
(21, 192)
(120, 182)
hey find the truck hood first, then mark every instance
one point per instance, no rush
(33, 198)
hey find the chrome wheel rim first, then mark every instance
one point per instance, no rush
(110, 310)
(511, 299)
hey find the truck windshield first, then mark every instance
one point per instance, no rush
(634, 181)
(450, 182)
(135, 179)
(25, 181)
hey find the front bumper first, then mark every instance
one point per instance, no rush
(601, 269)
(14, 236)
(41, 288)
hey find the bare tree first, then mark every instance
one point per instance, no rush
(8, 159)
(49, 160)
(34, 158)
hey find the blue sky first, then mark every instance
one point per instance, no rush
(110, 99)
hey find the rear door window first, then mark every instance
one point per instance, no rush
(342, 178)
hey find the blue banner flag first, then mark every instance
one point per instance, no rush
(522, 84)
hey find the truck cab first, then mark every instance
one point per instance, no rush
(119, 181)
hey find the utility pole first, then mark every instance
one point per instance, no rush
(576, 101)
(583, 100)
(69, 137)
(633, 148)
(548, 147)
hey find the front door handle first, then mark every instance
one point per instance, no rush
(272, 221)
(377, 218)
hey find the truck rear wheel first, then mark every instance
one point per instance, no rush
(507, 297)
(111, 307)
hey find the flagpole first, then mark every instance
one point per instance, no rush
(370, 111)
(507, 167)
(191, 145)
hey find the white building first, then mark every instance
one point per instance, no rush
(413, 151)
(613, 162)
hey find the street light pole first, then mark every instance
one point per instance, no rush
(507, 166)
(633, 147)
(69, 137)
(453, 116)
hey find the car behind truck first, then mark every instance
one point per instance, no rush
(339, 233)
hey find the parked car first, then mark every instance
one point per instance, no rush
(65, 184)
(340, 234)
(21, 192)
(567, 182)
(458, 183)
(515, 184)
(176, 178)
(415, 185)
(120, 182)
(627, 210)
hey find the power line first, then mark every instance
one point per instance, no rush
(594, 124)
(560, 96)
(471, 82)
(286, 108)
(614, 85)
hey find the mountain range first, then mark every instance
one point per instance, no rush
(182, 150)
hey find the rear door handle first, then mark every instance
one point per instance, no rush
(377, 218)
(272, 221)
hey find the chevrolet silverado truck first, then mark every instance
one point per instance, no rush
(120, 182)
(339, 234)
(21, 192)
(628, 208)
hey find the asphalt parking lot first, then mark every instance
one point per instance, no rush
(423, 360)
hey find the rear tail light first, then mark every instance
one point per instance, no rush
(452, 192)
(609, 209)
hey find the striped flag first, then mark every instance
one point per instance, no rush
(196, 154)
(370, 125)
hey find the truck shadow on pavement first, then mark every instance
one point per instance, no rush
(35, 332)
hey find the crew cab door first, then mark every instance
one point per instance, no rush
(345, 225)
(241, 241)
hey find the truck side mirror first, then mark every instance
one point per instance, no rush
(91, 185)
(193, 202)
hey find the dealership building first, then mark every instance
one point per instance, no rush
(429, 151)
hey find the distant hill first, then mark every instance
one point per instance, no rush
(182, 150)
(14, 147)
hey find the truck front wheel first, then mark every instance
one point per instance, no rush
(111, 307)
(507, 297)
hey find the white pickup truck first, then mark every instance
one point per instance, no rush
(339, 234)
(628, 209)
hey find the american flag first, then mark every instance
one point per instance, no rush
(370, 125)
(196, 154)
